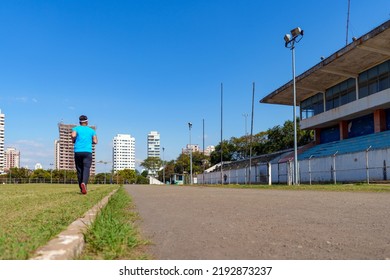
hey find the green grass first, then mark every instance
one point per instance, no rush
(359, 187)
(32, 214)
(113, 234)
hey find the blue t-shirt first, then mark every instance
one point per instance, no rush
(83, 139)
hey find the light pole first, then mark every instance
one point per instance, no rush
(245, 115)
(51, 173)
(163, 166)
(190, 147)
(290, 40)
(105, 174)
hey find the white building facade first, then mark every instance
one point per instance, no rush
(123, 154)
(2, 154)
(154, 144)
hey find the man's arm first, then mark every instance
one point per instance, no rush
(74, 135)
(94, 139)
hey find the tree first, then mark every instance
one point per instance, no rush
(228, 150)
(282, 137)
(274, 139)
(102, 178)
(19, 173)
(198, 160)
(127, 176)
(182, 164)
(152, 164)
(169, 170)
(40, 175)
(142, 180)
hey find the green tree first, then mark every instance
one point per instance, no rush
(274, 139)
(282, 137)
(62, 176)
(19, 173)
(40, 175)
(228, 150)
(199, 161)
(126, 176)
(142, 180)
(182, 164)
(152, 164)
(168, 169)
(102, 178)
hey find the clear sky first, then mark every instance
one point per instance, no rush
(133, 66)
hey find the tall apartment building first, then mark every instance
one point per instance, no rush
(2, 155)
(12, 158)
(123, 152)
(154, 144)
(64, 153)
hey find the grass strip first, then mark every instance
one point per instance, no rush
(32, 214)
(113, 235)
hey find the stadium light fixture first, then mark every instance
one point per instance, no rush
(290, 40)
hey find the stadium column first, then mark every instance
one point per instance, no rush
(379, 120)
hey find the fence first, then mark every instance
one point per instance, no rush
(365, 166)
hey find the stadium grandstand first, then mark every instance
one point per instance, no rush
(345, 100)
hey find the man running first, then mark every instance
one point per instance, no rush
(83, 137)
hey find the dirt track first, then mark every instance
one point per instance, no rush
(199, 223)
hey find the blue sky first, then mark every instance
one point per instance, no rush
(137, 66)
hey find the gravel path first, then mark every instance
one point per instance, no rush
(190, 223)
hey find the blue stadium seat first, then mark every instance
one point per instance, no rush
(376, 141)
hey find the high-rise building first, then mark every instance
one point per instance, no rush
(64, 152)
(12, 158)
(154, 144)
(2, 155)
(123, 152)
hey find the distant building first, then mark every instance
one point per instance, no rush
(209, 150)
(57, 154)
(2, 155)
(12, 158)
(192, 147)
(154, 144)
(64, 153)
(123, 152)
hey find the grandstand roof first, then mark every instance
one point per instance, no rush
(363, 53)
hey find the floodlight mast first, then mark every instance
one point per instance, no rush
(290, 40)
(297, 34)
(190, 151)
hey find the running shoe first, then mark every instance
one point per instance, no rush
(83, 188)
